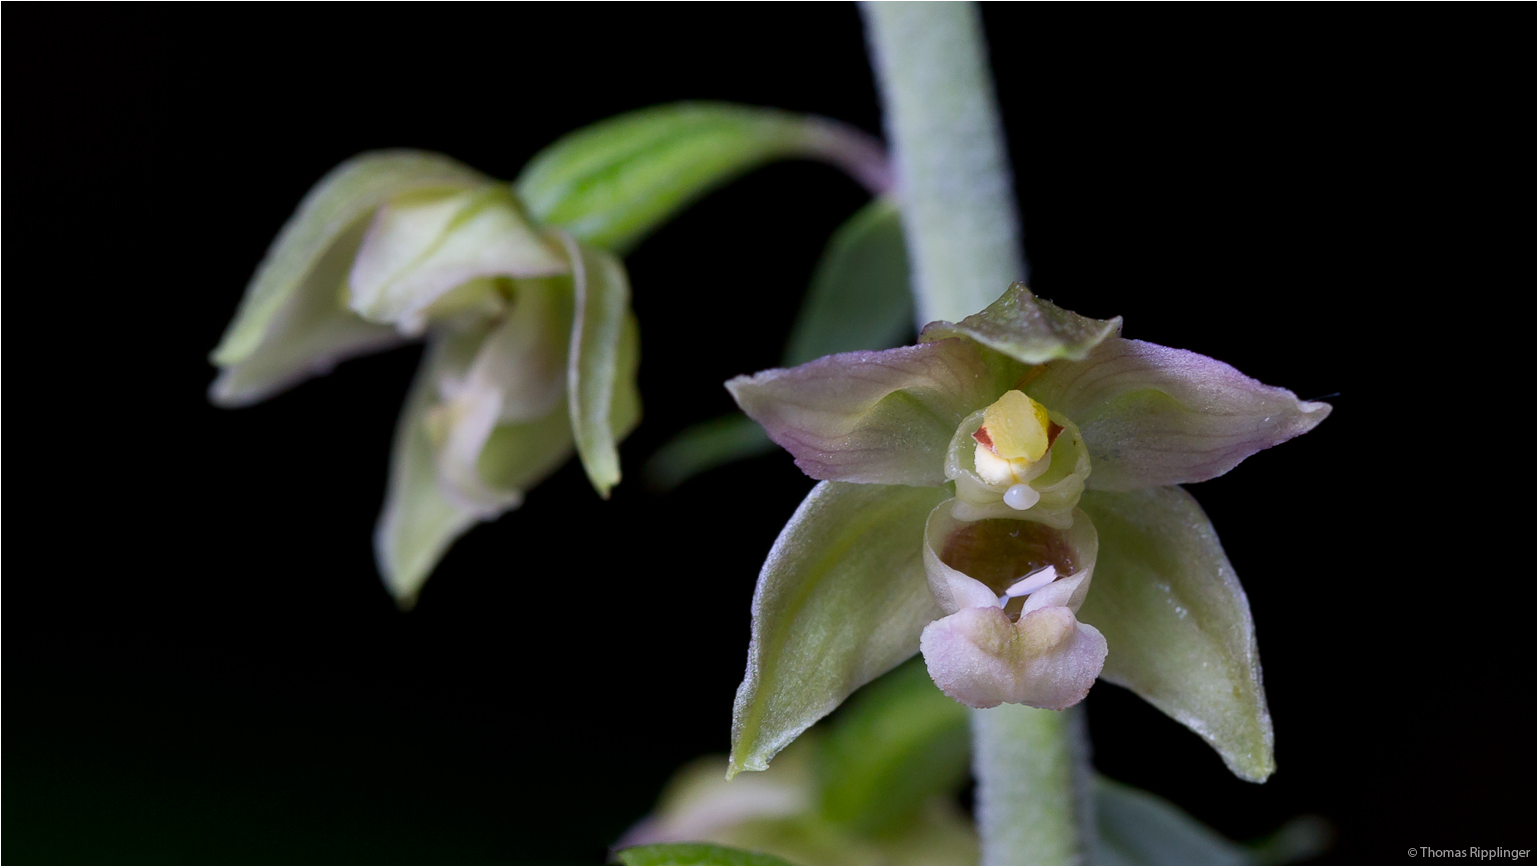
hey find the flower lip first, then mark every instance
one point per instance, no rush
(1004, 554)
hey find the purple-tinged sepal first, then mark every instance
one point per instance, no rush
(1154, 416)
(872, 417)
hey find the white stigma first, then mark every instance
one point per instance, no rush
(1029, 584)
(1021, 497)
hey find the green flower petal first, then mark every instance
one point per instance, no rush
(424, 244)
(1178, 623)
(841, 599)
(1028, 329)
(293, 322)
(604, 355)
(418, 523)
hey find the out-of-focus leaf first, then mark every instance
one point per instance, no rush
(1028, 329)
(1177, 622)
(1138, 827)
(1298, 840)
(602, 305)
(841, 600)
(858, 297)
(776, 812)
(895, 745)
(611, 183)
(293, 322)
(691, 854)
(705, 446)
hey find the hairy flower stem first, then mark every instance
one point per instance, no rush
(963, 236)
(1033, 795)
(952, 168)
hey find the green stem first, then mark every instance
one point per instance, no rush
(963, 237)
(1033, 785)
(948, 153)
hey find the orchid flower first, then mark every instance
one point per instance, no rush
(532, 349)
(1004, 498)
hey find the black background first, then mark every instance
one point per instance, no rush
(200, 663)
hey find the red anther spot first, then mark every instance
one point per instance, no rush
(1053, 429)
(981, 435)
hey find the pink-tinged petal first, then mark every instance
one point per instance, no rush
(1154, 416)
(872, 417)
(1047, 659)
(972, 563)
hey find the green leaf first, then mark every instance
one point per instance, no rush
(858, 297)
(1028, 329)
(691, 853)
(705, 446)
(611, 183)
(1138, 827)
(1134, 826)
(841, 599)
(898, 743)
(597, 360)
(293, 321)
(1177, 622)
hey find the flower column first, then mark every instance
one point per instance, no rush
(963, 236)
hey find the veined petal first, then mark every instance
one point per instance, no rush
(1178, 622)
(601, 363)
(841, 600)
(293, 322)
(1155, 416)
(424, 244)
(1028, 329)
(1047, 659)
(873, 417)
